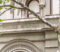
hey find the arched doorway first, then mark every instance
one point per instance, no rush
(20, 45)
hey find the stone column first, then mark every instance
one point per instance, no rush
(42, 5)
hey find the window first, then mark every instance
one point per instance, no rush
(34, 6)
(55, 6)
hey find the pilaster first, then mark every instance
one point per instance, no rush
(51, 41)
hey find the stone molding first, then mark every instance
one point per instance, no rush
(20, 45)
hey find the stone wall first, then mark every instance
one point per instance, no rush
(46, 41)
(33, 30)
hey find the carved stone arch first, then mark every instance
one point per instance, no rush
(20, 45)
(34, 6)
(28, 1)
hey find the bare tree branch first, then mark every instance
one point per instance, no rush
(11, 6)
(5, 11)
(41, 19)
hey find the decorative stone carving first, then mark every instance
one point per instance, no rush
(20, 45)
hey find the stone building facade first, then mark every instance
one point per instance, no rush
(26, 33)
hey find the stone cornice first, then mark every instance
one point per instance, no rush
(24, 30)
(29, 19)
(26, 25)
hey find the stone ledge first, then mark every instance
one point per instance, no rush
(28, 19)
(24, 30)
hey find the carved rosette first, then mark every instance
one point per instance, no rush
(20, 45)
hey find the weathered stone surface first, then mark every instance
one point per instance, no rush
(40, 37)
(51, 49)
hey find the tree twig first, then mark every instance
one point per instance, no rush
(11, 6)
(5, 11)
